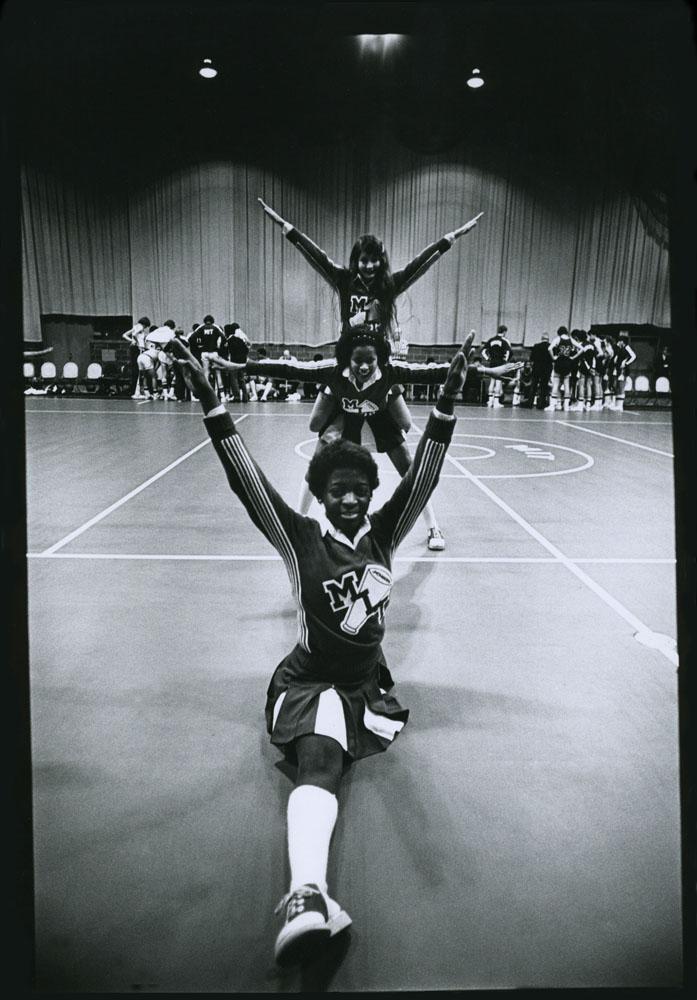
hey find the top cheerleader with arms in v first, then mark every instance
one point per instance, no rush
(366, 289)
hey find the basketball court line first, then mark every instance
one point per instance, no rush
(119, 503)
(169, 412)
(180, 557)
(573, 567)
(611, 437)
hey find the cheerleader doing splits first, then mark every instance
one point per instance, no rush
(330, 700)
(367, 291)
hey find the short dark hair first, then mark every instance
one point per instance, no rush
(208, 319)
(340, 455)
(144, 321)
(360, 336)
(502, 329)
(170, 323)
(561, 331)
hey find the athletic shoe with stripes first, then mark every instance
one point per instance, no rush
(311, 918)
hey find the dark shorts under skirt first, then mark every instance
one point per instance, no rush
(296, 705)
(383, 428)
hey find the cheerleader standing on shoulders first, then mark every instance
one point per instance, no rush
(367, 290)
(330, 700)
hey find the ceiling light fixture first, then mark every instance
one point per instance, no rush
(475, 80)
(208, 70)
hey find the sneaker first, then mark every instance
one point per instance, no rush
(306, 923)
(497, 405)
(436, 541)
(551, 408)
(337, 919)
(137, 395)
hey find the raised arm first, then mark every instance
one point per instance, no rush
(397, 517)
(280, 368)
(314, 254)
(429, 255)
(277, 521)
(631, 357)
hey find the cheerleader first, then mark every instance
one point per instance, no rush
(361, 381)
(367, 288)
(330, 701)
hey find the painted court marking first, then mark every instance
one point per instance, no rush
(388, 469)
(600, 592)
(180, 557)
(129, 496)
(611, 437)
(175, 411)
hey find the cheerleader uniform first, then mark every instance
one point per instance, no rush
(358, 403)
(355, 295)
(342, 589)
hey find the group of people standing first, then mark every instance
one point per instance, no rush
(573, 371)
(153, 374)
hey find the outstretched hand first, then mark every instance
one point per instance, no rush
(191, 369)
(508, 370)
(270, 212)
(222, 364)
(457, 373)
(467, 226)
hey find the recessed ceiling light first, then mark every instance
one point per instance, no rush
(208, 70)
(475, 80)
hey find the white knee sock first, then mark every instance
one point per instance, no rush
(312, 814)
(429, 516)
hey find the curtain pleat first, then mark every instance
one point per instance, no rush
(195, 241)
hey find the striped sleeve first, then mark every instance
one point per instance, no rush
(416, 268)
(277, 521)
(393, 521)
(314, 254)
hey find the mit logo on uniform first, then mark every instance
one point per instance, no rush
(364, 407)
(360, 600)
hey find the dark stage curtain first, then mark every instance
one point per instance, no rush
(550, 250)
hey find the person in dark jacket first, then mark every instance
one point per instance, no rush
(541, 371)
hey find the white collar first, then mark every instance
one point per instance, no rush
(375, 377)
(328, 528)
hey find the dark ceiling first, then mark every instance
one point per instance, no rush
(595, 80)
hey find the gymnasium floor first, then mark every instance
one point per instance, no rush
(523, 831)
